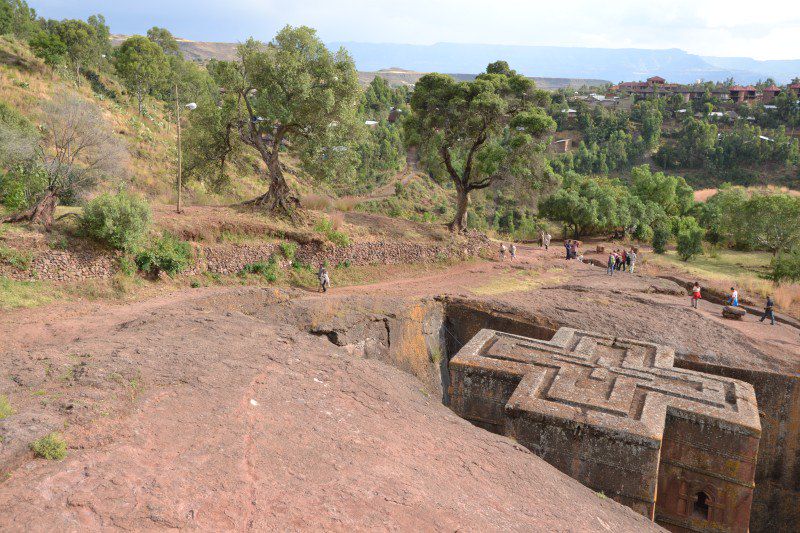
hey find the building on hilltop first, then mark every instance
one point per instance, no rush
(768, 94)
(677, 446)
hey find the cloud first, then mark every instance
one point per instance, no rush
(709, 27)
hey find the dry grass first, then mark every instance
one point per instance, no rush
(787, 296)
(345, 204)
(337, 220)
(702, 195)
(315, 202)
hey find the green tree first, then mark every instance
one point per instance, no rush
(772, 221)
(17, 18)
(163, 38)
(689, 237)
(482, 131)
(721, 215)
(661, 234)
(49, 47)
(85, 43)
(672, 193)
(141, 64)
(786, 267)
(297, 98)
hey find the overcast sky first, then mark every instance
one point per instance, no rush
(762, 30)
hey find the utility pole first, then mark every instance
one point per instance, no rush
(180, 163)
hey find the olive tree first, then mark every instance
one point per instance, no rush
(481, 131)
(291, 96)
(76, 146)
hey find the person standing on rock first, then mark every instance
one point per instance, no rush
(733, 300)
(696, 294)
(769, 311)
(513, 251)
(632, 260)
(502, 251)
(324, 279)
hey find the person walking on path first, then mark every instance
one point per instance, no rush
(623, 260)
(733, 300)
(632, 260)
(696, 294)
(612, 261)
(324, 279)
(617, 260)
(769, 311)
(502, 252)
(513, 251)
(567, 247)
(547, 238)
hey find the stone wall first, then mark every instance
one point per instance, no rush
(226, 258)
(776, 500)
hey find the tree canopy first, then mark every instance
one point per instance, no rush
(141, 64)
(481, 131)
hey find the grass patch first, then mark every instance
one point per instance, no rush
(5, 407)
(16, 294)
(511, 280)
(269, 270)
(52, 447)
(17, 259)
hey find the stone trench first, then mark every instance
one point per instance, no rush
(421, 336)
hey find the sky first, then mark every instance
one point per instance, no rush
(705, 27)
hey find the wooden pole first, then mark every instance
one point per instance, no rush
(180, 163)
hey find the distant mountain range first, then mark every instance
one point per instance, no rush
(550, 66)
(615, 64)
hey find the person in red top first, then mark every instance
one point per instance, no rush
(695, 294)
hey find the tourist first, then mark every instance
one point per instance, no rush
(612, 261)
(623, 260)
(632, 260)
(567, 247)
(503, 251)
(733, 300)
(547, 238)
(696, 294)
(324, 279)
(769, 311)
(617, 260)
(513, 251)
(573, 249)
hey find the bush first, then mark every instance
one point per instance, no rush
(785, 267)
(52, 447)
(288, 250)
(166, 254)
(5, 407)
(119, 220)
(21, 186)
(326, 227)
(660, 237)
(267, 269)
(689, 238)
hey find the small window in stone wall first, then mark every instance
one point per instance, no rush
(701, 506)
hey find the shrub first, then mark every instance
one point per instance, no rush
(5, 407)
(689, 238)
(315, 202)
(288, 250)
(785, 267)
(267, 269)
(119, 220)
(166, 254)
(21, 186)
(52, 447)
(660, 238)
(326, 227)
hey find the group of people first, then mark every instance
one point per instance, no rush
(733, 301)
(572, 249)
(621, 261)
(511, 250)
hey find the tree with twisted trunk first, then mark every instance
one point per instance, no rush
(292, 97)
(482, 131)
(76, 147)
